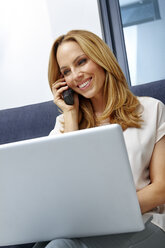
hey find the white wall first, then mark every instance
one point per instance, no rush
(27, 31)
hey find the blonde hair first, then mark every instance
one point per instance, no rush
(121, 105)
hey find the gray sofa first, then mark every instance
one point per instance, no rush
(37, 120)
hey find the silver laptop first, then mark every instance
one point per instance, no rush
(70, 185)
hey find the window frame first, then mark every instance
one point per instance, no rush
(112, 31)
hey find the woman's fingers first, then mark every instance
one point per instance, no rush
(59, 87)
(60, 90)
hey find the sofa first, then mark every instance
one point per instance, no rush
(37, 120)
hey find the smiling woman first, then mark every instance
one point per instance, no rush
(80, 60)
(91, 70)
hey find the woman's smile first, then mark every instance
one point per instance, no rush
(85, 84)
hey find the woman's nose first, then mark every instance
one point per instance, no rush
(77, 75)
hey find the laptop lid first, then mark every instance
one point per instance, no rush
(70, 185)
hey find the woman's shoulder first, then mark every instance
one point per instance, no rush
(153, 113)
(147, 100)
(151, 104)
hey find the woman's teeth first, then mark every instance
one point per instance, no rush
(84, 84)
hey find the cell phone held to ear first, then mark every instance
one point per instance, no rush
(68, 96)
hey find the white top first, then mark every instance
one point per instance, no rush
(140, 144)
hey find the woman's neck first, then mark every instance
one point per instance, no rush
(98, 104)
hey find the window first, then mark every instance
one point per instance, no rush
(139, 12)
(136, 36)
(143, 26)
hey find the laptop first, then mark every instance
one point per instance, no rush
(76, 184)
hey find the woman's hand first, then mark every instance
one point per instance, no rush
(70, 112)
(58, 88)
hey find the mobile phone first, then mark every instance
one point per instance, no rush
(68, 96)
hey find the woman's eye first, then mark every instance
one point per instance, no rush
(65, 72)
(82, 61)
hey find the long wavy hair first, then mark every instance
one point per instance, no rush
(122, 106)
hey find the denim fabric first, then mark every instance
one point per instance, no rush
(151, 237)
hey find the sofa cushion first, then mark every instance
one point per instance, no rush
(154, 89)
(27, 122)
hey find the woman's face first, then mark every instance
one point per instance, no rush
(81, 74)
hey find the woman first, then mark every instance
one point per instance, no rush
(83, 62)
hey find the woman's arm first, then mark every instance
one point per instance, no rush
(153, 195)
(70, 121)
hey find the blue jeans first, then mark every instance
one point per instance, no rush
(151, 237)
